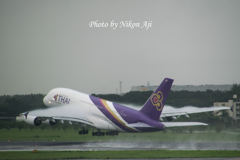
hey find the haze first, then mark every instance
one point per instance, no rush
(48, 44)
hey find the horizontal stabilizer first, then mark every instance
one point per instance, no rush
(170, 111)
(182, 124)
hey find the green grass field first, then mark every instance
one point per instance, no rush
(72, 135)
(117, 154)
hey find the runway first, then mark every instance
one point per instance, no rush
(113, 146)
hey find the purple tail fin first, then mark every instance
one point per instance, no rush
(154, 105)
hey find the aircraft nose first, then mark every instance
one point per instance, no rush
(45, 101)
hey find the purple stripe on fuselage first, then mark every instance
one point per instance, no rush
(107, 113)
(129, 115)
(133, 116)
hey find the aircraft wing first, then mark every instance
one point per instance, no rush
(182, 124)
(170, 111)
(70, 120)
(66, 113)
(169, 124)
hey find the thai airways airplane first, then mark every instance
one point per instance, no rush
(70, 106)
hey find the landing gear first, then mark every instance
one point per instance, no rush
(99, 133)
(111, 133)
(83, 131)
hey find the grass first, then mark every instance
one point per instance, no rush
(72, 135)
(116, 154)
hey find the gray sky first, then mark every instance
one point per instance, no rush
(48, 44)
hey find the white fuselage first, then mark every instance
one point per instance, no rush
(79, 105)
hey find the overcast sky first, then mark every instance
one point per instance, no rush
(48, 44)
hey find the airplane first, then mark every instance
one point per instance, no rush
(73, 107)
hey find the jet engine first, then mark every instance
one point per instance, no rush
(49, 122)
(33, 120)
(171, 118)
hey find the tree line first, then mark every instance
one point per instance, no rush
(11, 106)
(176, 98)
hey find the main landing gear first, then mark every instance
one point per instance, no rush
(83, 132)
(112, 133)
(99, 133)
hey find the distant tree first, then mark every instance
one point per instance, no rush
(76, 127)
(9, 125)
(32, 127)
(65, 126)
(42, 127)
(165, 131)
(202, 128)
(25, 126)
(191, 129)
(20, 126)
(1, 125)
(219, 128)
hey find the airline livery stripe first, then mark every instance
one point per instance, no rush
(109, 113)
(110, 104)
(104, 103)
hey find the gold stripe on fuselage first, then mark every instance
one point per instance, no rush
(104, 102)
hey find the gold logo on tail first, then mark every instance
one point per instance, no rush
(157, 100)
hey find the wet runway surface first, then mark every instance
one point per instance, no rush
(102, 146)
(226, 158)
